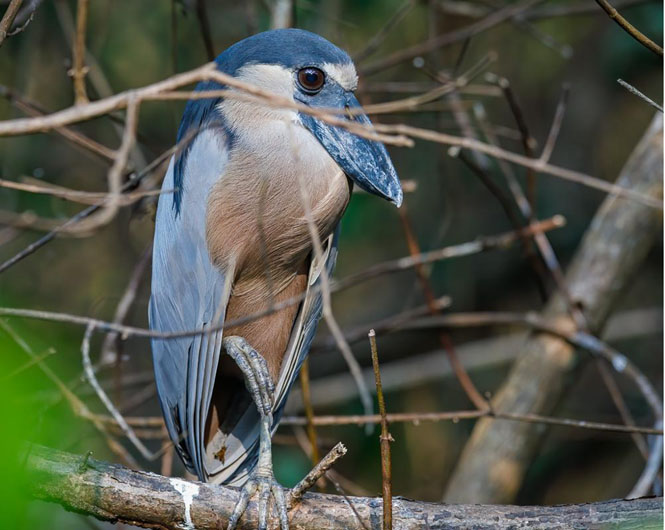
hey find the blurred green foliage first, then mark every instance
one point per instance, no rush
(133, 45)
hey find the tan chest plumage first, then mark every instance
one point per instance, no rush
(257, 226)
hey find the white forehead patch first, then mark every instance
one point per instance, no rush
(344, 74)
(271, 77)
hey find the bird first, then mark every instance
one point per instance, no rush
(242, 200)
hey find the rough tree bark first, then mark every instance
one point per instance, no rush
(114, 493)
(498, 454)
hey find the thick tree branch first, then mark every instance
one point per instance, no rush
(113, 493)
(498, 454)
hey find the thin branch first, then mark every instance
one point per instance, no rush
(417, 417)
(462, 377)
(385, 439)
(92, 380)
(79, 70)
(315, 474)
(528, 141)
(556, 125)
(493, 19)
(396, 134)
(109, 353)
(376, 41)
(81, 197)
(419, 369)
(45, 239)
(465, 249)
(78, 139)
(326, 302)
(639, 94)
(8, 18)
(110, 207)
(535, 164)
(629, 28)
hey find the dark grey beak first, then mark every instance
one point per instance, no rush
(366, 162)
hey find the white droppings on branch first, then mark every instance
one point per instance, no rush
(188, 490)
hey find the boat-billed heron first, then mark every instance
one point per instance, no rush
(233, 238)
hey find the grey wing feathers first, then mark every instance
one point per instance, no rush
(188, 293)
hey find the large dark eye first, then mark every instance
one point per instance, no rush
(311, 79)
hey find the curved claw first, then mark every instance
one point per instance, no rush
(266, 487)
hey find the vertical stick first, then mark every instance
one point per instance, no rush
(79, 70)
(386, 438)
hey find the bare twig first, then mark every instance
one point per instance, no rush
(32, 362)
(454, 416)
(567, 9)
(82, 197)
(386, 438)
(481, 354)
(110, 207)
(514, 218)
(75, 137)
(535, 164)
(447, 39)
(556, 125)
(546, 361)
(22, 27)
(109, 352)
(463, 378)
(396, 134)
(36, 245)
(464, 249)
(639, 94)
(341, 491)
(79, 70)
(385, 325)
(8, 18)
(629, 28)
(376, 41)
(92, 380)
(528, 141)
(316, 473)
(281, 14)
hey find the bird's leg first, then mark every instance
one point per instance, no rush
(261, 387)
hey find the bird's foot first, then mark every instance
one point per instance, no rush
(261, 480)
(263, 483)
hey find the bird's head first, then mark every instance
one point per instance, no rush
(312, 71)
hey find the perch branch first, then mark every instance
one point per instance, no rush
(113, 493)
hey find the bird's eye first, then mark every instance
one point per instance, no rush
(311, 79)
